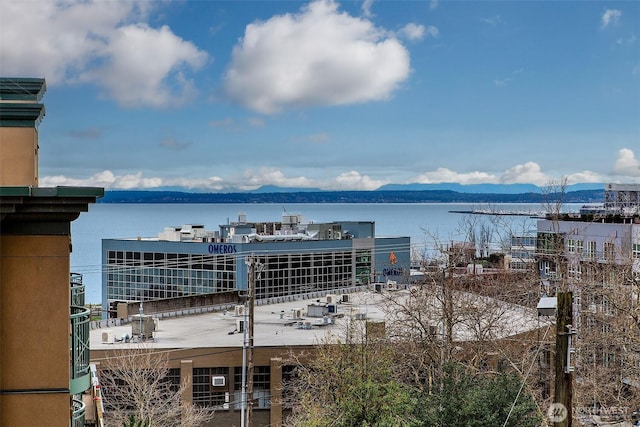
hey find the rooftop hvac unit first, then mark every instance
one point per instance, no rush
(332, 308)
(218, 381)
(240, 325)
(332, 299)
(345, 298)
(239, 310)
(108, 337)
(296, 313)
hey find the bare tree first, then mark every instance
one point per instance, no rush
(137, 382)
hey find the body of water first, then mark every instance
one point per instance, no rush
(426, 224)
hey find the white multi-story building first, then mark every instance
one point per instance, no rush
(295, 258)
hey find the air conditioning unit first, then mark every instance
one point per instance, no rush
(108, 337)
(218, 381)
(240, 325)
(332, 299)
(239, 310)
(296, 313)
(332, 308)
(345, 298)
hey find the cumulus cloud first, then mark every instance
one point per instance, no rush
(271, 176)
(609, 17)
(413, 31)
(317, 57)
(106, 43)
(135, 74)
(353, 180)
(108, 180)
(447, 175)
(366, 8)
(528, 173)
(584, 177)
(626, 164)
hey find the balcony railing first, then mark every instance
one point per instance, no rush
(79, 340)
(77, 290)
(77, 419)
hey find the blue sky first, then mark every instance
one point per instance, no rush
(225, 95)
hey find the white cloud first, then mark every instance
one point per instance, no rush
(528, 173)
(609, 17)
(584, 177)
(270, 176)
(355, 181)
(413, 31)
(108, 180)
(100, 42)
(626, 164)
(447, 175)
(317, 57)
(366, 8)
(135, 74)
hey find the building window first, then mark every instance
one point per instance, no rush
(261, 387)
(636, 251)
(591, 250)
(208, 394)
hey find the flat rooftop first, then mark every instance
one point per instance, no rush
(276, 324)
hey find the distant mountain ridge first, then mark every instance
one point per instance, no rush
(377, 196)
(484, 188)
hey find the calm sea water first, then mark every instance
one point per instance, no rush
(425, 223)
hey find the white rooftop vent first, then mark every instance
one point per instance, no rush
(239, 310)
(108, 337)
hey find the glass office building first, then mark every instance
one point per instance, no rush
(293, 258)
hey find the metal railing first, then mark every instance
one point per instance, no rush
(77, 290)
(80, 317)
(77, 417)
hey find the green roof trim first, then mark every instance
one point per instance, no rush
(15, 191)
(15, 114)
(60, 191)
(22, 88)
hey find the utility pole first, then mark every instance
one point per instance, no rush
(563, 390)
(251, 261)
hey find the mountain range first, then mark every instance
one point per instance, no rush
(391, 193)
